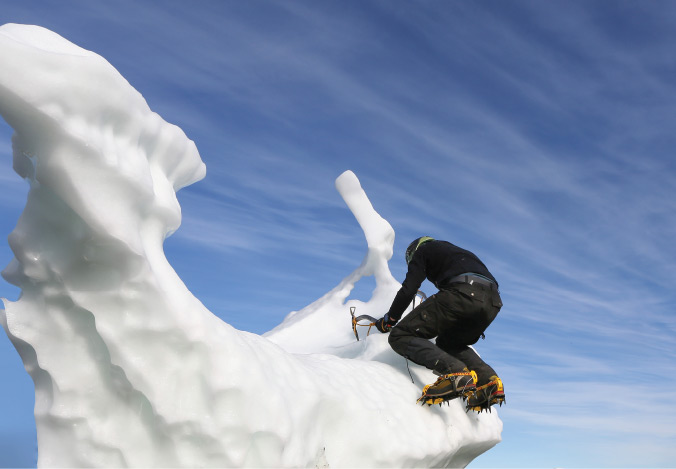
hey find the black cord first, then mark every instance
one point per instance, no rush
(409, 372)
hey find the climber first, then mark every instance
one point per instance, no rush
(467, 302)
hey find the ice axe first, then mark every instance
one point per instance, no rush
(356, 322)
(371, 320)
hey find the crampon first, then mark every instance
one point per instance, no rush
(486, 396)
(449, 387)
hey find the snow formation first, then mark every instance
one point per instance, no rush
(129, 368)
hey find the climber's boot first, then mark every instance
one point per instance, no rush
(487, 395)
(448, 387)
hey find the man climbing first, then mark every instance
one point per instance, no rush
(467, 302)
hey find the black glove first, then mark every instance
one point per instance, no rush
(385, 324)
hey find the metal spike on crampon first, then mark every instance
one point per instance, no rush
(487, 396)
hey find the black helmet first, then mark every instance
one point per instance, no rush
(410, 250)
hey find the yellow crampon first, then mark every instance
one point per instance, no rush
(433, 400)
(486, 396)
(465, 392)
(429, 401)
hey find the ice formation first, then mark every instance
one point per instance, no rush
(129, 368)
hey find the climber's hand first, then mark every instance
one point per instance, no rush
(385, 324)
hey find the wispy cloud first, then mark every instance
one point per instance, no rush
(538, 134)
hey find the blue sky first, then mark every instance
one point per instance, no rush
(539, 135)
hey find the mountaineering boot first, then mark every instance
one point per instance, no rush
(448, 387)
(487, 395)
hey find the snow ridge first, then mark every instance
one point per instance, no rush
(130, 369)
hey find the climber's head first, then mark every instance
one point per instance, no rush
(410, 250)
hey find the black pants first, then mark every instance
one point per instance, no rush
(457, 317)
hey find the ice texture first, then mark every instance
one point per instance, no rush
(130, 369)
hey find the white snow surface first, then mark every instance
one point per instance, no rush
(130, 369)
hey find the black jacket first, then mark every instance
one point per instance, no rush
(438, 261)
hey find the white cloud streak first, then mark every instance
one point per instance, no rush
(526, 131)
